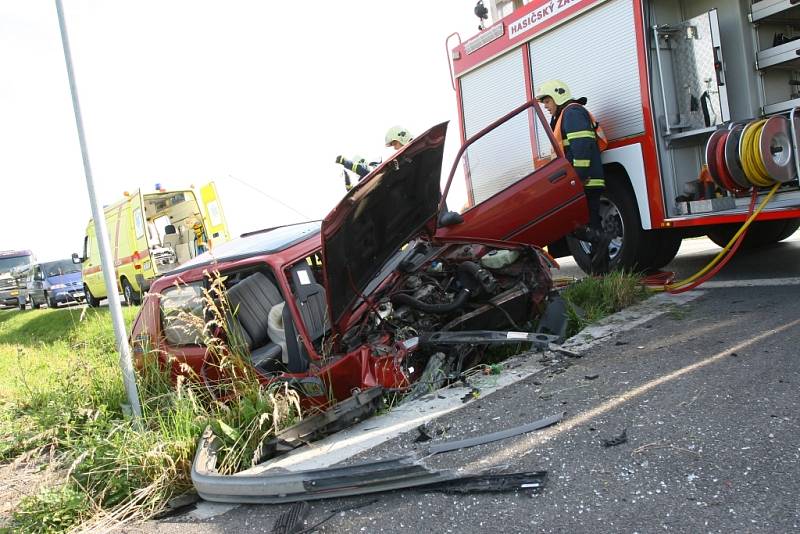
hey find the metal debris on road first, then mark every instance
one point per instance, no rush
(617, 440)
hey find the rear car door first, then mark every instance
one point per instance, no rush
(518, 185)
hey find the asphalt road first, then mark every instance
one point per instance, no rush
(707, 395)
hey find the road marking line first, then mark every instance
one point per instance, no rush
(527, 445)
(755, 282)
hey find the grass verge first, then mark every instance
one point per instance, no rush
(62, 400)
(590, 299)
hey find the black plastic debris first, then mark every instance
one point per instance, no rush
(291, 521)
(617, 440)
(529, 482)
(423, 435)
(555, 320)
(342, 415)
(591, 377)
(449, 446)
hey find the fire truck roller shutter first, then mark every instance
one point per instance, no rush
(504, 156)
(609, 79)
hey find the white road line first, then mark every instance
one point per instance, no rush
(755, 282)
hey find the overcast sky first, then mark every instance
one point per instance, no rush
(182, 92)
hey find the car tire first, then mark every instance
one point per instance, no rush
(132, 297)
(760, 233)
(21, 304)
(90, 299)
(51, 301)
(630, 249)
(34, 305)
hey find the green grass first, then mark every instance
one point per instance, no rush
(600, 297)
(61, 396)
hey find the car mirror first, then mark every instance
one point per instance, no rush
(450, 218)
(76, 259)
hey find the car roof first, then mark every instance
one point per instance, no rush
(259, 243)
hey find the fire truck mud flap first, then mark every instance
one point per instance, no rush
(276, 486)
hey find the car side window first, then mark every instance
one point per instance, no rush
(182, 314)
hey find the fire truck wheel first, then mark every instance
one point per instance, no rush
(628, 249)
(760, 234)
(132, 297)
(667, 245)
(90, 299)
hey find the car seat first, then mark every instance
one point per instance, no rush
(251, 301)
(313, 307)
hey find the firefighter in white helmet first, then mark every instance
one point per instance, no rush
(397, 137)
(583, 140)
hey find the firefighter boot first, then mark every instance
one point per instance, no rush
(599, 259)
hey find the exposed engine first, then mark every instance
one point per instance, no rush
(458, 287)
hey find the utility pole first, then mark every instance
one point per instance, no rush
(114, 306)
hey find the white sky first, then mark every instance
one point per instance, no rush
(181, 92)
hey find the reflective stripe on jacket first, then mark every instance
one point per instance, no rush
(582, 139)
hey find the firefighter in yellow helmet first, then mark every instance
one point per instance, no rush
(397, 137)
(582, 139)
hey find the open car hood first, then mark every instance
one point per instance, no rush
(387, 209)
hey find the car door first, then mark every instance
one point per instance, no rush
(517, 184)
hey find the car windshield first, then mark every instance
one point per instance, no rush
(6, 264)
(57, 268)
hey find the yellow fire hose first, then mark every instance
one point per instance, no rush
(678, 285)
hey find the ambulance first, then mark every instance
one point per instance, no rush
(151, 234)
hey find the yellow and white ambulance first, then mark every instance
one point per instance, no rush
(151, 234)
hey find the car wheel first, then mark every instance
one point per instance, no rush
(21, 304)
(51, 301)
(760, 233)
(34, 305)
(90, 299)
(629, 249)
(132, 297)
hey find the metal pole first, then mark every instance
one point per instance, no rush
(125, 361)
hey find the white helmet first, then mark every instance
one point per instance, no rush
(399, 134)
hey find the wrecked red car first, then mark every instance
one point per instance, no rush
(365, 297)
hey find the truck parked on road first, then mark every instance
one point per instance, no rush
(13, 263)
(677, 85)
(150, 234)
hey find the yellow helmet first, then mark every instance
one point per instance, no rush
(398, 133)
(555, 89)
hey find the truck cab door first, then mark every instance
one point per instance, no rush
(517, 184)
(214, 217)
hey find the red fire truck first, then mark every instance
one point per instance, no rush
(674, 83)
